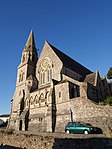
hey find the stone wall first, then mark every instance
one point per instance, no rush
(76, 109)
(20, 140)
(79, 109)
(61, 92)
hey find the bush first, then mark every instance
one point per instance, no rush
(9, 131)
(108, 101)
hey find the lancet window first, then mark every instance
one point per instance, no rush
(23, 59)
(21, 76)
(31, 101)
(36, 100)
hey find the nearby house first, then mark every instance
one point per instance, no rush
(5, 117)
(46, 87)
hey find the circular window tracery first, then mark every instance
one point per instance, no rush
(45, 71)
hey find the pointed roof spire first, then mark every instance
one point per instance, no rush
(30, 44)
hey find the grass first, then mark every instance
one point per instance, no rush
(7, 131)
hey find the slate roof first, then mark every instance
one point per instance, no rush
(70, 63)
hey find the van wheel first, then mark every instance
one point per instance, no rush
(67, 131)
(86, 132)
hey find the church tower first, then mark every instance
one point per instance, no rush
(26, 82)
(28, 60)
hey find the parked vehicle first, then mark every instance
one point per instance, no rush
(1, 122)
(81, 128)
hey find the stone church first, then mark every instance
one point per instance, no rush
(47, 87)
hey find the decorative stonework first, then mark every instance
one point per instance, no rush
(46, 64)
(45, 71)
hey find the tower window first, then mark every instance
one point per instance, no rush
(23, 59)
(21, 76)
(59, 94)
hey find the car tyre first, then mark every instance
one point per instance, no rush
(67, 131)
(86, 132)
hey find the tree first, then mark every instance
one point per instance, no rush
(109, 74)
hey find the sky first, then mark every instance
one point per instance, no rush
(82, 29)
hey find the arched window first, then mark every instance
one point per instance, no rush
(31, 101)
(21, 76)
(46, 97)
(45, 71)
(27, 102)
(43, 80)
(49, 74)
(42, 98)
(36, 100)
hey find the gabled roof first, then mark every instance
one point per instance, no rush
(70, 63)
(31, 77)
(90, 78)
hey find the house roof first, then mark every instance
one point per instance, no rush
(5, 115)
(70, 63)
